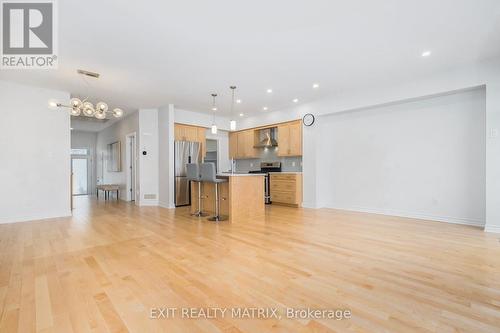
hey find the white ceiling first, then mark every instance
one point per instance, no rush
(151, 53)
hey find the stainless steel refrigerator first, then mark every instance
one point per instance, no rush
(185, 152)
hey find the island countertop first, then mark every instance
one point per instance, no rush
(241, 196)
(229, 174)
(288, 172)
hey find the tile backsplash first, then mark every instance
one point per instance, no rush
(269, 155)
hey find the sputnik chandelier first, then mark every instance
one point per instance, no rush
(79, 106)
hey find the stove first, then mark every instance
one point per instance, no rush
(266, 167)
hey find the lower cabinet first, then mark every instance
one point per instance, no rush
(286, 189)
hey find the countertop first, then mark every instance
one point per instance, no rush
(288, 172)
(229, 174)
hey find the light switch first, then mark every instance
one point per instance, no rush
(493, 133)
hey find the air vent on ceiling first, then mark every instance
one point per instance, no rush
(91, 74)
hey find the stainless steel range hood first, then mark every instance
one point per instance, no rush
(268, 136)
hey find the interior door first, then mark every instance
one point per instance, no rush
(79, 169)
(132, 168)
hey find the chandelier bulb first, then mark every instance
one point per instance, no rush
(100, 115)
(53, 104)
(101, 106)
(117, 113)
(75, 102)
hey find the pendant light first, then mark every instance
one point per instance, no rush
(232, 123)
(214, 108)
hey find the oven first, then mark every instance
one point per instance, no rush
(266, 168)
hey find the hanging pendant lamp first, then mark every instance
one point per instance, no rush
(214, 108)
(232, 123)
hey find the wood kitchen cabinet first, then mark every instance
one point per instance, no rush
(241, 144)
(186, 133)
(286, 189)
(191, 133)
(202, 139)
(290, 139)
(233, 145)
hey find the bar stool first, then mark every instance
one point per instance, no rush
(208, 175)
(193, 174)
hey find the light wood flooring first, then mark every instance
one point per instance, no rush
(105, 268)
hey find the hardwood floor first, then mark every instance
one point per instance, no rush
(105, 268)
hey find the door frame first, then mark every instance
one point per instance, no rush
(218, 145)
(89, 173)
(131, 161)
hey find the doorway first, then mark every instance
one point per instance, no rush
(80, 171)
(131, 158)
(212, 156)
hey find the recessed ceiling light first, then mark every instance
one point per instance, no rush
(71, 128)
(214, 109)
(295, 100)
(238, 101)
(426, 53)
(241, 114)
(316, 85)
(269, 90)
(265, 108)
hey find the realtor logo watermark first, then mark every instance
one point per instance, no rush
(29, 34)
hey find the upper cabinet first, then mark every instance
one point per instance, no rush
(186, 133)
(290, 139)
(191, 133)
(241, 145)
(233, 145)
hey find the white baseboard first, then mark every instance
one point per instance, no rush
(312, 204)
(35, 217)
(309, 205)
(413, 215)
(492, 228)
(148, 203)
(165, 205)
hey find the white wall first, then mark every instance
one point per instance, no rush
(200, 119)
(455, 79)
(492, 74)
(145, 124)
(165, 156)
(423, 159)
(35, 150)
(149, 163)
(82, 139)
(114, 133)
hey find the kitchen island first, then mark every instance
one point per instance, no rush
(241, 197)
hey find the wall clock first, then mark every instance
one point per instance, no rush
(308, 119)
